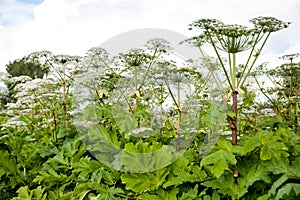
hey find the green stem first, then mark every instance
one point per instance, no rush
(221, 62)
(55, 126)
(250, 55)
(291, 79)
(261, 89)
(211, 71)
(265, 94)
(178, 118)
(171, 93)
(296, 109)
(234, 70)
(230, 68)
(151, 63)
(252, 65)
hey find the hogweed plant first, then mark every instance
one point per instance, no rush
(233, 39)
(282, 91)
(285, 80)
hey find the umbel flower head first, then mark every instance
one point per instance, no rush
(229, 38)
(236, 38)
(196, 41)
(206, 24)
(269, 24)
(290, 56)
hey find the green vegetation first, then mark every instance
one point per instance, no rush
(91, 108)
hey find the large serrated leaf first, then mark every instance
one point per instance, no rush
(182, 171)
(277, 184)
(191, 194)
(218, 161)
(144, 182)
(167, 194)
(38, 193)
(248, 144)
(23, 194)
(80, 191)
(256, 173)
(278, 166)
(225, 185)
(147, 196)
(286, 190)
(295, 168)
(7, 164)
(273, 149)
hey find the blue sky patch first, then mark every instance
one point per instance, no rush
(31, 1)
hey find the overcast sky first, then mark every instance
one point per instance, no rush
(74, 26)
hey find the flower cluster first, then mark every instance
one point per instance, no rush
(269, 24)
(234, 38)
(158, 45)
(290, 56)
(206, 24)
(197, 41)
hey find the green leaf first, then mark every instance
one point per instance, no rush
(144, 182)
(218, 161)
(168, 195)
(61, 132)
(273, 149)
(231, 114)
(182, 171)
(277, 184)
(60, 159)
(226, 145)
(225, 185)
(80, 191)
(263, 197)
(38, 193)
(257, 172)
(7, 164)
(286, 190)
(50, 176)
(161, 194)
(147, 196)
(105, 191)
(23, 193)
(144, 157)
(10, 166)
(278, 166)
(247, 145)
(295, 168)
(191, 194)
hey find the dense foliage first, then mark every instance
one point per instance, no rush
(26, 68)
(44, 155)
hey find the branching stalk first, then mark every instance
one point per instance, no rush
(221, 62)
(256, 56)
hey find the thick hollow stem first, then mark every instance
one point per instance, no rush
(178, 131)
(296, 116)
(64, 98)
(291, 79)
(233, 81)
(178, 119)
(137, 107)
(55, 126)
(235, 120)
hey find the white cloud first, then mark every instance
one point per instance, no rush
(74, 26)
